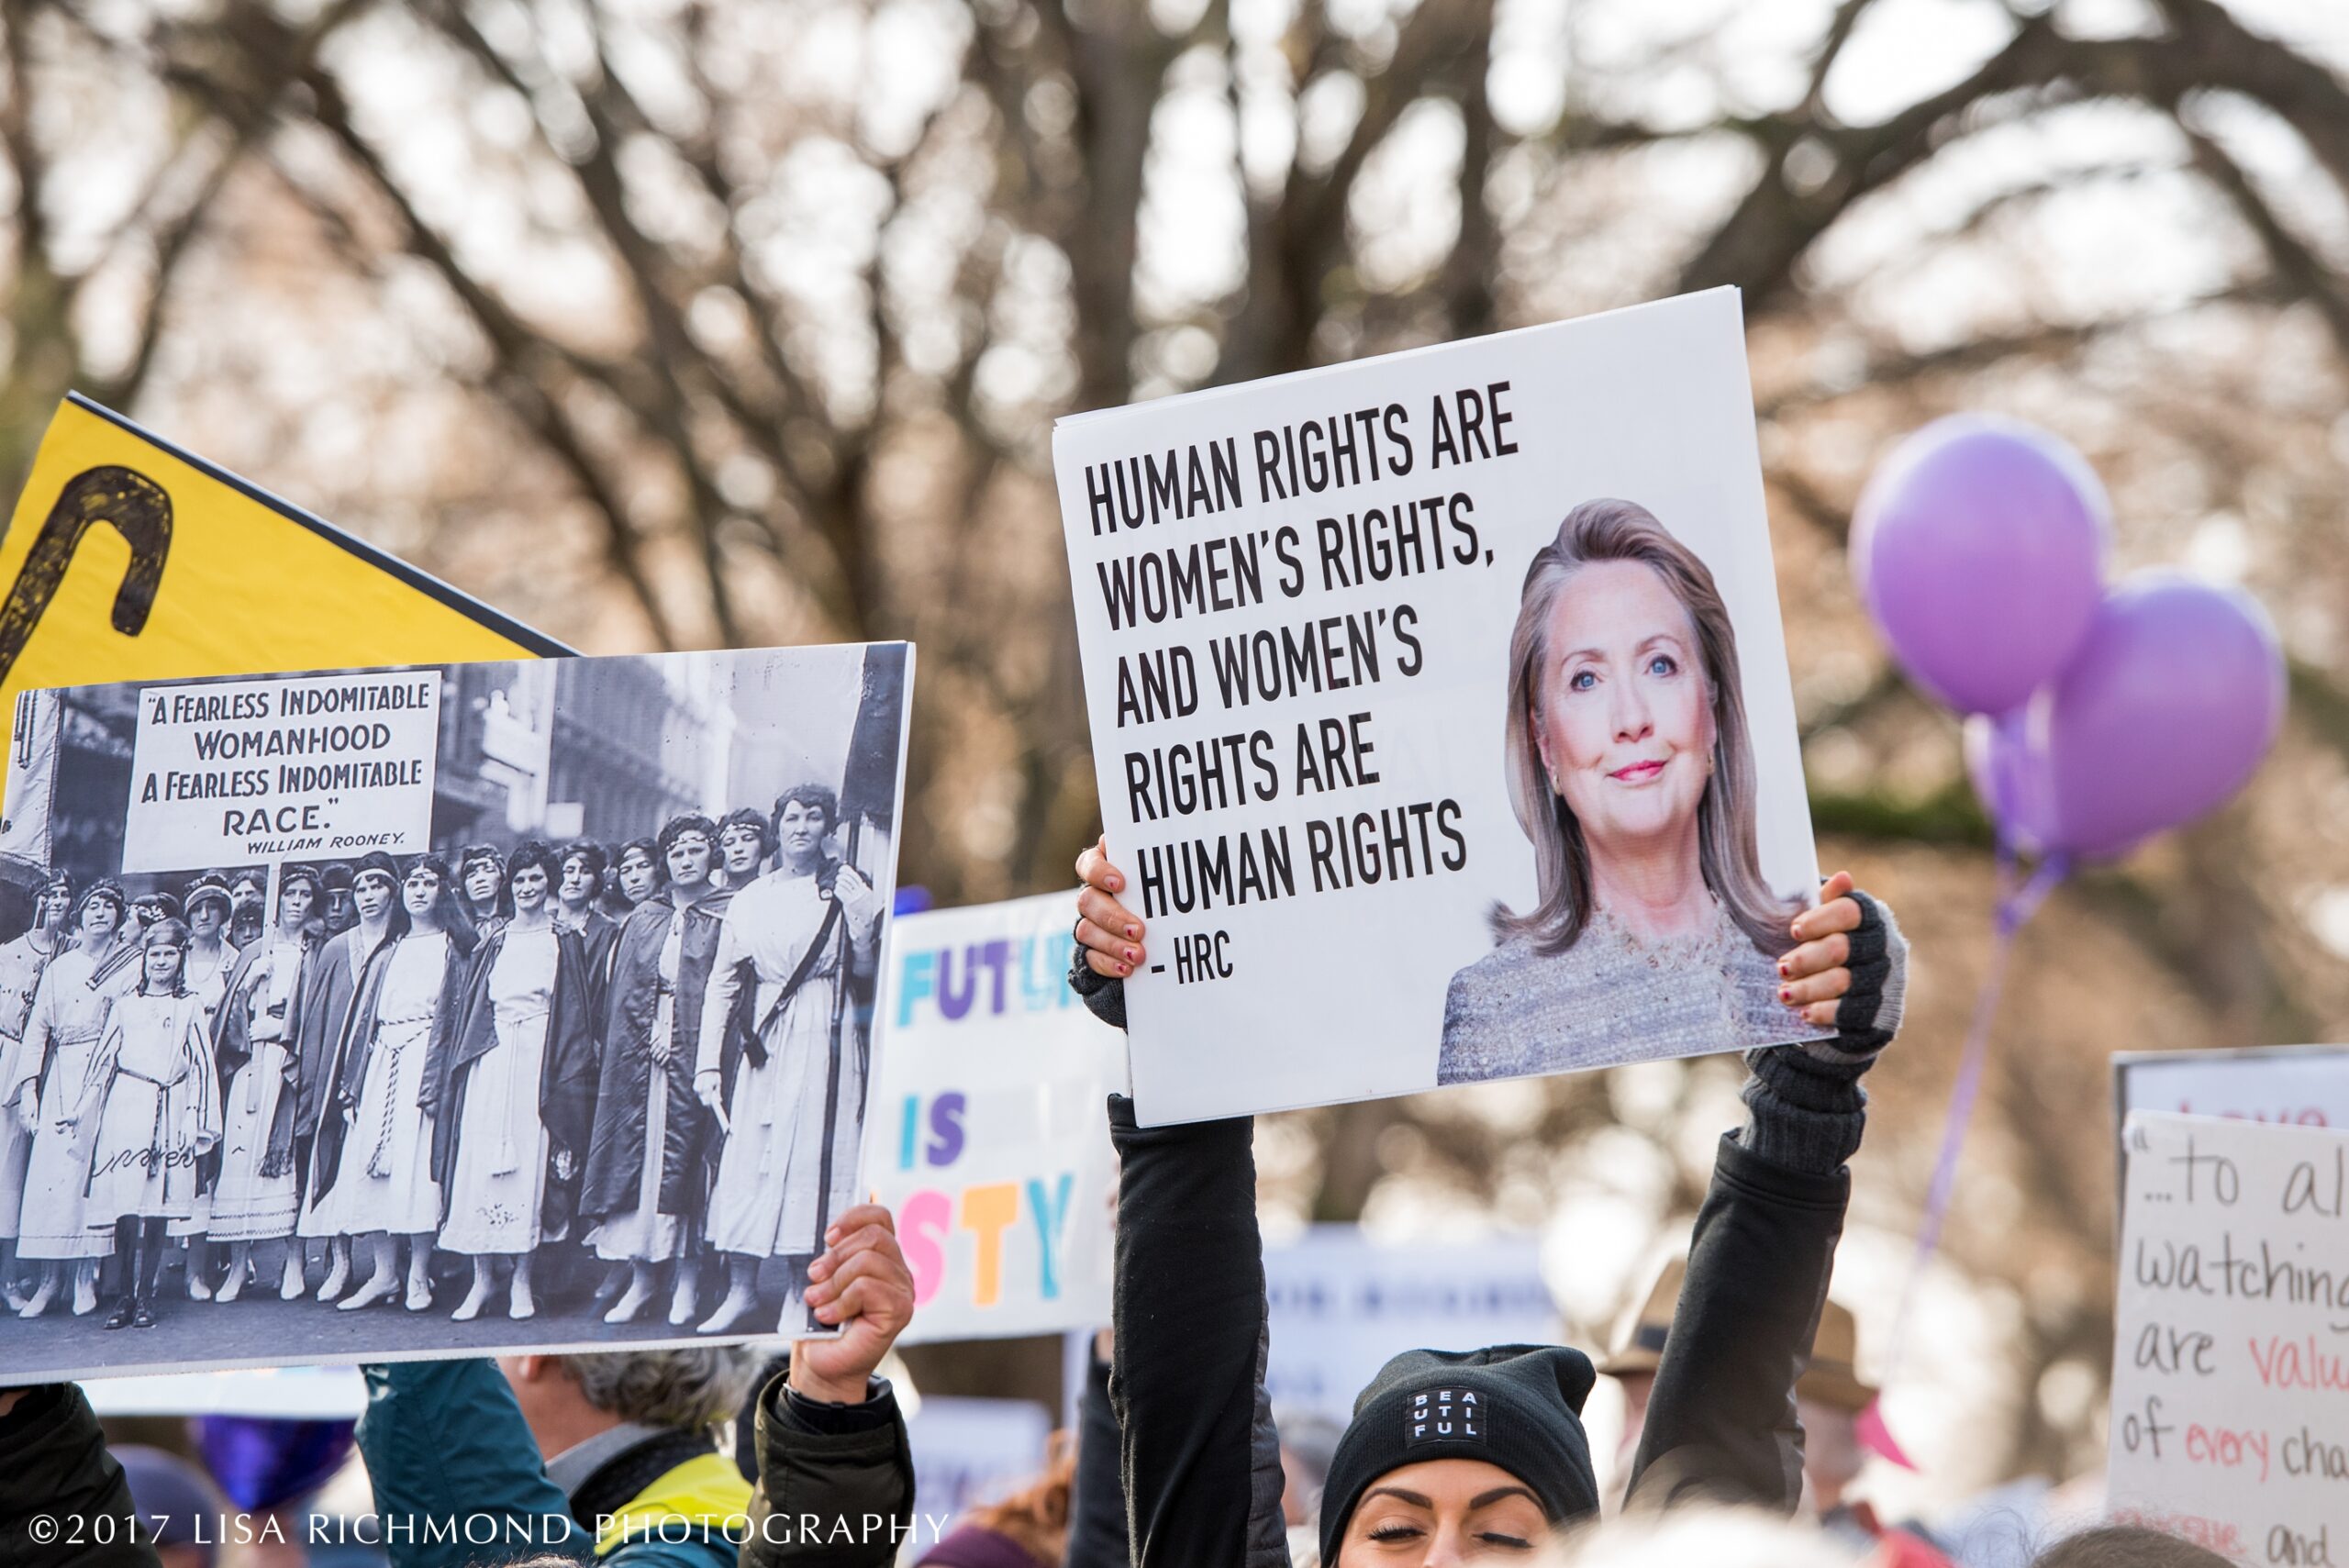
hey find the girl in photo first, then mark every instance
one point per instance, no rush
(22, 963)
(383, 1179)
(481, 871)
(257, 1037)
(324, 1034)
(511, 1089)
(637, 871)
(744, 842)
(210, 957)
(643, 1192)
(61, 1035)
(574, 911)
(1630, 765)
(154, 1107)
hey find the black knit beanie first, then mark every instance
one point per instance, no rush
(1519, 1406)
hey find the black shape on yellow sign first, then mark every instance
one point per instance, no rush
(138, 510)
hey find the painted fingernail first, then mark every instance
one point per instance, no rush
(1785, 969)
(1116, 883)
(1786, 994)
(1133, 957)
(1125, 969)
(1134, 931)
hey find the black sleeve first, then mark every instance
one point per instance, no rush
(836, 1483)
(1096, 1510)
(64, 1500)
(1200, 1459)
(1721, 1418)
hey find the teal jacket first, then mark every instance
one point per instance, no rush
(459, 1482)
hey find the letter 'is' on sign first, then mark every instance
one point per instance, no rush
(128, 559)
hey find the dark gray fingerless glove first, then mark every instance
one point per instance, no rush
(1104, 994)
(1805, 1107)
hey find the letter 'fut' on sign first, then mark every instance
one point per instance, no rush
(1455, 676)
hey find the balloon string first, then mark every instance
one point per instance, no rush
(2015, 906)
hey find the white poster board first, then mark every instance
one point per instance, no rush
(2229, 1358)
(1296, 602)
(1341, 1305)
(989, 1136)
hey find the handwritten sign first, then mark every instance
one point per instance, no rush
(987, 1137)
(2231, 1369)
(1399, 670)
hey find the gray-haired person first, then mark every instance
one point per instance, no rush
(617, 1455)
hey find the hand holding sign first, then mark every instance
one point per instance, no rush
(861, 1283)
(1110, 932)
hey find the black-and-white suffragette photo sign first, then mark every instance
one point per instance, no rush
(1441, 713)
(387, 1013)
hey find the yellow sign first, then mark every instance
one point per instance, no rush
(131, 560)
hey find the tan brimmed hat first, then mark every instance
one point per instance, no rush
(1640, 1347)
(1833, 1376)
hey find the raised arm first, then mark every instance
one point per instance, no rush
(1721, 1419)
(832, 1459)
(1197, 1453)
(1097, 1509)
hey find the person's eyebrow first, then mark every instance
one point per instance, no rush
(1487, 1499)
(1411, 1497)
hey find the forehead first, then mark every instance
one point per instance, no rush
(1613, 604)
(801, 808)
(690, 838)
(1451, 1483)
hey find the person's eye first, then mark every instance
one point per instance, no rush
(1664, 664)
(1581, 679)
(1505, 1543)
(1386, 1533)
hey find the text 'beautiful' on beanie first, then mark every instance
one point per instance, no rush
(1516, 1407)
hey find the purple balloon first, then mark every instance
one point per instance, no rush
(2174, 697)
(1979, 550)
(2010, 776)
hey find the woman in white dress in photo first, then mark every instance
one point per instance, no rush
(770, 1084)
(324, 1036)
(61, 1035)
(382, 1182)
(149, 1110)
(210, 957)
(511, 1089)
(21, 963)
(254, 1040)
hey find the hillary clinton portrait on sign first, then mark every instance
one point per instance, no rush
(1653, 933)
